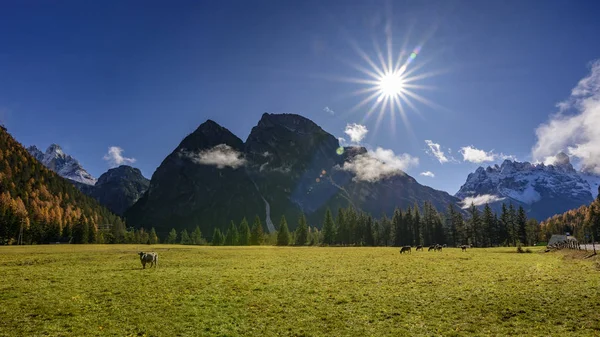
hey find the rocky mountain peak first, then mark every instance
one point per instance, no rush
(66, 166)
(54, 149)
(121, 173)
(207, 135)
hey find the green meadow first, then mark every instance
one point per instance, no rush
(102, 290)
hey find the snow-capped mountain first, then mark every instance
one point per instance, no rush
(543, 190)
(66, 166)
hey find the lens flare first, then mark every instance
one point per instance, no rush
(340, 151)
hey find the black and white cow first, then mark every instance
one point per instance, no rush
(151, 258)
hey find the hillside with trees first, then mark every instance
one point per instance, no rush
(580, 222)
(37, 205)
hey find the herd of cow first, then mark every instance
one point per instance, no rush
(152, 258)
(436, 248)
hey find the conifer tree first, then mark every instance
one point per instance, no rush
(369, 238)
(217, 239)
(398, 224)
(257, 233)
(196, 237)
(328, 228)
(342, 227)
(417, 227)
(172, 238)
(488, 226)
(387, 231)
(185, 238)
(504, 226)
(521, 225)
(283, 235)
(352, 223)
(408, 227)
(301, 231)
(512, 227)
(531, 232)
(474, 226)
(153, 238)
(244, 233)
(232, 236)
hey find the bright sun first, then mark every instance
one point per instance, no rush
(390, 85)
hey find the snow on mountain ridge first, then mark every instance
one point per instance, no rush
(533, 184)
(64, 165)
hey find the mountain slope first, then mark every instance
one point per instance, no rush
(118, 188)
(37, 198)
(287, 166)
(66, 166)
(191, 188)
(543, 190)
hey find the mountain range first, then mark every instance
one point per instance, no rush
(117, 189)
(542, 190)
(289, 166)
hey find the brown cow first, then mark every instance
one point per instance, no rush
(405, 249)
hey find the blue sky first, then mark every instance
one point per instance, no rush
(141, 75)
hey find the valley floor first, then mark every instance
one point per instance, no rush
(273, 291)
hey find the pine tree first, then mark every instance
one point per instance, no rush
(489, 226)
(531, 232)
(369, 238)
(408, 227)
(217, 239)
(328, 229)
(185, 238)
(172, 238)
(387, 231)
(342, 227)
(196, 238)
(301, 231)
(512, 227)
(451, 226)
(153, 239)
(244, 233)
(352, 223)
(398, 223)
(521, 225)
(232, 236)
(283, 235)
(257, 234)
(474, 226)
(504, 226)
(417, 227)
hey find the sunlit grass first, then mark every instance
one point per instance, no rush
(268, 291)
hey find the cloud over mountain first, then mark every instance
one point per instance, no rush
(115, 157)
(220, 156)
(575, 128)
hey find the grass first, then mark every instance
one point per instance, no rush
(273, 291)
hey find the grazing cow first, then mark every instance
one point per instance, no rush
(151, 258)
(431, 248)
(405, 249)
(444, 245)
(438, 248)
(419, 248)
(464, 248)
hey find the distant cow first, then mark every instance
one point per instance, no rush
(405, 249)
(431, 248)
(151, 258)
(438, 248)
(419, 248)
(464, 248)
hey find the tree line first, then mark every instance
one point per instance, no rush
(413, 226)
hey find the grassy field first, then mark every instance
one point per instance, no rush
(272, 291)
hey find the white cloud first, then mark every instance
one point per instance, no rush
(220, 156)
(475, 155)
(480, 200)
(342, 141)
(379, 164)
(436, 151)
(427, 174)
(114, 157)
(356, 132)
(329, 111)
(575, 129)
